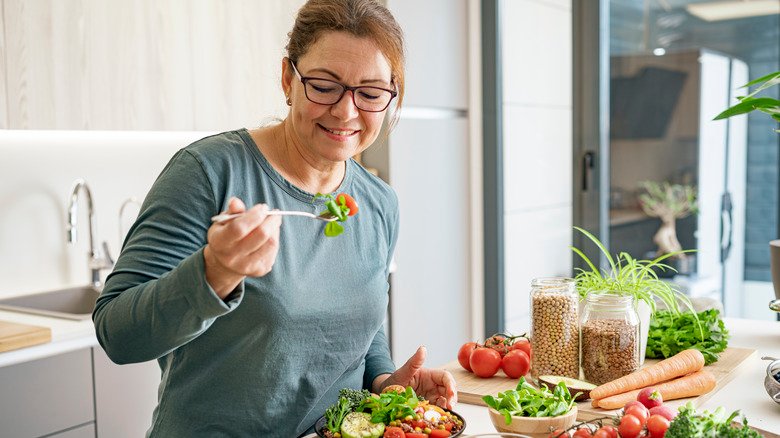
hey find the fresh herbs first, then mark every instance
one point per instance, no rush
(527, 401)
(340, 207)
(689, 424)
(390, 405)
(628, 276)
(670, 334)
(349, 400)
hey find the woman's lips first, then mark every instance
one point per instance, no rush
(339, 133)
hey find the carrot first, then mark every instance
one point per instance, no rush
(698, 383)
(682, 363)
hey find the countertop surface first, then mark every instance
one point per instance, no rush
(745, 392)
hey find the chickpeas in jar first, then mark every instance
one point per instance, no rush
(555, 335)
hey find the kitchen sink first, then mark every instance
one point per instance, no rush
(73, 303)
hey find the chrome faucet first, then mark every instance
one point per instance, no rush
(98, 259)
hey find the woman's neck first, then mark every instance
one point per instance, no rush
(291, 160)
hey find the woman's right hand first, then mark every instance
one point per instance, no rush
(243, 247)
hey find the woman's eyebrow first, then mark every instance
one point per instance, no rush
(338, 78)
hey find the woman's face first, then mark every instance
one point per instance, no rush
(334, 133)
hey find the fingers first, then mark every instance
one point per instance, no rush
(248, 244)
(408, 370)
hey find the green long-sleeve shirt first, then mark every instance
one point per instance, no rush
(269, 359)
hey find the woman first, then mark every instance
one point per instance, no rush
(257, 324)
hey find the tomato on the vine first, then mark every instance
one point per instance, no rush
(582, 432)
(498, 343)
(657, 425)
(608, 431)
(639, 412)
(559, 433)
(465, 353)
(522, 344)
(630, 426)
(485, 362)
(515, 364)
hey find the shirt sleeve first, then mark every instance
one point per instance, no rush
(378, 360)
(157, 298)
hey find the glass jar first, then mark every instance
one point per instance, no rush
(555, 336)
(609, 330)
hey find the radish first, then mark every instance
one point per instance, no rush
(650, 397)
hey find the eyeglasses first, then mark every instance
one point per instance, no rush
(327, 92)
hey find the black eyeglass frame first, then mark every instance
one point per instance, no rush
(344, 89)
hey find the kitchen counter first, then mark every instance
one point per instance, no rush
(66, 335)
(745, 392)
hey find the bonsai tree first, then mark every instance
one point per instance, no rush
(668, 202)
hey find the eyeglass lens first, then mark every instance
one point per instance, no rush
(327, 92)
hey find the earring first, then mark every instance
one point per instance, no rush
(289, 101)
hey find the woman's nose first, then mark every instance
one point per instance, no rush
(345, 108)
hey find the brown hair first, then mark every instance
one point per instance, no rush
(361, 18)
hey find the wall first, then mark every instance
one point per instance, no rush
(141, 65)
(537, 53)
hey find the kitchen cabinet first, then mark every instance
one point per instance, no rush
(46, 396)
(77, 394)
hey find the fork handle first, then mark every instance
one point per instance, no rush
(224, 217)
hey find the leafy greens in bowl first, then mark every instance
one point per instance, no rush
(527, 401)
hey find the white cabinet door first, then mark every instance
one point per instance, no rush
(46, 396)
(125, 396)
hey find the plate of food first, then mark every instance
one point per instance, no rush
(396, 413)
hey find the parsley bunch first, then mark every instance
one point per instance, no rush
(689, 424)
(670, 334)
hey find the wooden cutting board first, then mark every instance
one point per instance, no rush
(471, 388)
(14, 335)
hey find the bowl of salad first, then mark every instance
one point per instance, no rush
(396, 413)
(531, 411)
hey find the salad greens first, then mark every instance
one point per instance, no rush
(689, 424)
(349, 399)
(390, 405)
(527, 401)
(337, 208)
(670, 334)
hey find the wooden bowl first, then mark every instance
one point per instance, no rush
(533, 426)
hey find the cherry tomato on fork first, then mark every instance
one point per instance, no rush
(349, 201)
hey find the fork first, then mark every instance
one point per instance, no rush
(225, 217)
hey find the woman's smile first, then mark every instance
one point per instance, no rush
(339, 134)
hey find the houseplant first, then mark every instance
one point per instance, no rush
(668, 202)
(769, 106)
(629, 276)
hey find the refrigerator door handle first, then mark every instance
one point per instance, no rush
(726, 226)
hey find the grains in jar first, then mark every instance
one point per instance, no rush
(610, 337)
(555, 338)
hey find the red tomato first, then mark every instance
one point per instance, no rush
(415, 435)
(393, 432)
(657, 426)
(439, 433)
(419, 423)
(601, 433)
(449, 427)
(465, 353)
(522, 344)
(349, 202)
(498, 343)
(609, 431)
(515, 364)
(650, 397)
(485, 362)
(639, 412)
(630, 426)
(559, 433)
(582, 432)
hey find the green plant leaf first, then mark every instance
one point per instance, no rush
(747, 105)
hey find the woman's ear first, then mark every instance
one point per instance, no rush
(287, 75)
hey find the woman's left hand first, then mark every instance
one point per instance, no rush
(437, 386)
